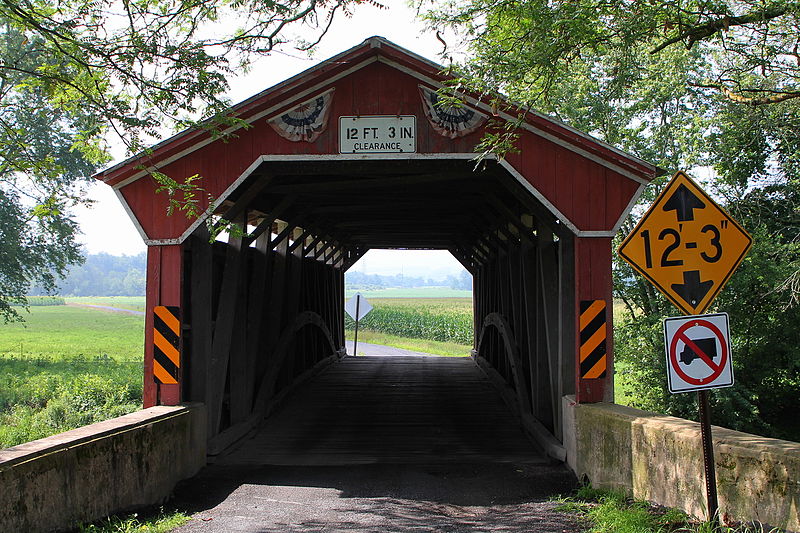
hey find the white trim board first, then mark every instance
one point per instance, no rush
(377, 157)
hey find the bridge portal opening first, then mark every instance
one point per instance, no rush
(274, 293)
(419, 301)
(254, 315)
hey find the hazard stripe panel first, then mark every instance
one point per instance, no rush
(166, 344)
(593, 339)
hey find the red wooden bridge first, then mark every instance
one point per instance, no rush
(359, 153)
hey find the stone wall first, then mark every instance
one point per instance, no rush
(659, 458)
(85, 474)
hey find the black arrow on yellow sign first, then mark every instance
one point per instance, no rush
(683, 201)
(692, 290)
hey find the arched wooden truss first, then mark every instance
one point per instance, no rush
(509, 373)
(261, 319)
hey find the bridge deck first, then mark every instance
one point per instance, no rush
(391, 409)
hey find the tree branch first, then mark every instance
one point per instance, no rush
(774, 98)
(698, 33)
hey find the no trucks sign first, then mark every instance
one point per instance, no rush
(698, 352)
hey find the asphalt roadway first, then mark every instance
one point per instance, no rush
(399, 443)
(370, 498)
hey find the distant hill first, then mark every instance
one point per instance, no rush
(359, 281)
(112, 275)
(105, 275)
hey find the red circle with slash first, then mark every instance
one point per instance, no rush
(680, 335)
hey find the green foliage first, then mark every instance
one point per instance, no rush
(160, 523)
(67, 367)
(761, 301)
(40, 397)
(75, 72)
(617, 515)
(104, 275)
(396, 293)
(682, 85)
(608, 511)
(45, 300)
(446, 319)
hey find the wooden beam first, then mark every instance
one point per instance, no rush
(274, 214)
(381, 182)
(462, 258)
(244, 200)
(299, 240)
(257, 290)
(223, 333)
(200, 314)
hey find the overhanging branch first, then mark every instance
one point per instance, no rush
(698, 33)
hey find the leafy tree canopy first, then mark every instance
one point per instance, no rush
(660, 79)
(681, 84)
(74, 72)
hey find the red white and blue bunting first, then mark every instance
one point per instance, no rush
(450, 121)
(306, 121)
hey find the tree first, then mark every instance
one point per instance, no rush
(682, 85)
(651, 76)
(38, 165)
(74, 72)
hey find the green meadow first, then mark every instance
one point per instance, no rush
(65, 367)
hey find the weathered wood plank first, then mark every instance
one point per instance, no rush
(391, 409)
(200, 314)
(255, 310)
(223, 333)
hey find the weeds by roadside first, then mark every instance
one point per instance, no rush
(159, 523)
(606, 511)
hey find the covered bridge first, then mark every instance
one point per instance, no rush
(353, 154)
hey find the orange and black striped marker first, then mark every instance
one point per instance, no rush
(593, 339)
(166, 341)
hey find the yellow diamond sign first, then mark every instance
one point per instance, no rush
(686, 245)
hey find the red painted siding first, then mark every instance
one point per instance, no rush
(164, 286)
(593, 282)
(588, 194)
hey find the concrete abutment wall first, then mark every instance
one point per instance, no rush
(659, 458)
(82, 475)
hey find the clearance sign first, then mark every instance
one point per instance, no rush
(686, 245)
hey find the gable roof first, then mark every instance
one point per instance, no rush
(285, 94)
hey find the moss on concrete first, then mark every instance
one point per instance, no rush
(659, 459)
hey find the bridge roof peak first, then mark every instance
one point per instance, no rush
(371, 50)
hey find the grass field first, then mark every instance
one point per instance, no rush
(450, 349)
(66, 367)
(134, 303)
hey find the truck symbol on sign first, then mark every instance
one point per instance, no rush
(709, 347)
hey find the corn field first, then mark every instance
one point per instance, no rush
(438, 319)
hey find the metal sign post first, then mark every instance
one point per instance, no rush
(708, 454)
(698, 353)
(688, 247)
(357, 307)
(355, 338)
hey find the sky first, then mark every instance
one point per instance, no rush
(107, 228)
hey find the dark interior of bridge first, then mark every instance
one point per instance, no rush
(276, 289)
